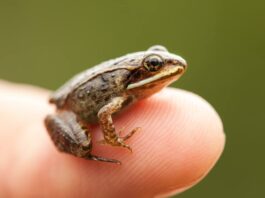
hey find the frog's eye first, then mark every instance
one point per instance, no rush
(153, 62)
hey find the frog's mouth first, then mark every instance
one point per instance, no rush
(175, 72)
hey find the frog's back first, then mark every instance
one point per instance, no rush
(59, 97)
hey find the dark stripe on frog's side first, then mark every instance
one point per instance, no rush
(87, 99)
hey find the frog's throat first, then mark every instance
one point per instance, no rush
(177, 70)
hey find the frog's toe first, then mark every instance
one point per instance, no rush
(131, 133)
(127, 147)
(102, 159)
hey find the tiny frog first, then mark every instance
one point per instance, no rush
(97, 94)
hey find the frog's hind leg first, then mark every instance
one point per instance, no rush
(71, 137)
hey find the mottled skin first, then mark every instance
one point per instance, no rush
(94, 95)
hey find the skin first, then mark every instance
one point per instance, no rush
(184, 148)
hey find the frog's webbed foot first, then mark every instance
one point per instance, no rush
(71, 136)
(107, 126)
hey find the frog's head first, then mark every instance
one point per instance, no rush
(156, 69)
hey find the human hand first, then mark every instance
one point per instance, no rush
(180, 141)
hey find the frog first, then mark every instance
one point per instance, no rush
(97, 94)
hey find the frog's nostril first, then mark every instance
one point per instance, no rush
(178, 63)
(181, 70)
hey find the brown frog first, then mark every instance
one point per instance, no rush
(96, 94)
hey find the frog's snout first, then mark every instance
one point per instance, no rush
(180, 63)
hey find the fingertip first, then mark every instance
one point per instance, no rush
(200, 138)
(180, 141)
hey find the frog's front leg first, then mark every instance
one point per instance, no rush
(107, 126)
(71, 136)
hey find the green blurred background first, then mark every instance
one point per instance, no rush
(45, 42)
